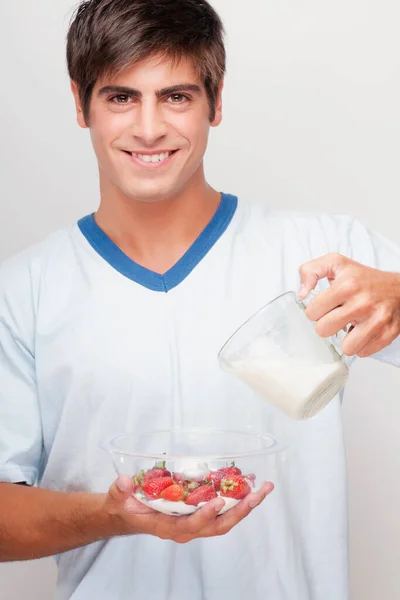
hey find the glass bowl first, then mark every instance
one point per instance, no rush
(177, 471)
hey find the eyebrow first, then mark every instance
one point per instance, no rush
(168, 91)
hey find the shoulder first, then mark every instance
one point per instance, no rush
(26, 264)
(22, 275)
(300, 221)
(314, 232)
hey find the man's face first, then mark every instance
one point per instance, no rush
(149, 128)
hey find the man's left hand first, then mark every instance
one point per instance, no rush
(365, 298)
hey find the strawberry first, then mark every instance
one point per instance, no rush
(232, 470)
(152, 489)
(137, 480)
(215, 478)
(235, 487)
(174, 493)
(156, 472)
(179, 478)
(204, 493)
(187, 484)
(191, 485)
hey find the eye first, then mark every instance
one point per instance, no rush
(177, 99)
(121, 99)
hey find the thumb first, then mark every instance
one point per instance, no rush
(121, 489)
(314, 270)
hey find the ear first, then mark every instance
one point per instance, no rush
(218, 107)
(79, 112)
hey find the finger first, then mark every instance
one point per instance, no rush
(324, 303)
(201, 519)
(121, 489)
(333, 322)
(377, 344)
(314, 270)
(362, 335)
(255, 498)
(236, 514)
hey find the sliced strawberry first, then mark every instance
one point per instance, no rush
(235, 487)
(174, 493)
(204, 493)
(152, 489)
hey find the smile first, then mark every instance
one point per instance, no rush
(151, 159)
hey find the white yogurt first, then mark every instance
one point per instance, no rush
(193, 470)
(180, 508)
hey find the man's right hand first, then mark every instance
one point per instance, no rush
(137, 518)
(60, 521)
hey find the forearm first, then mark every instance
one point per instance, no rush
(36, 523)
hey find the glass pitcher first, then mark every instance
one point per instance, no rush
(279, 354)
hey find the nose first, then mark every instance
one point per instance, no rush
(149, 126)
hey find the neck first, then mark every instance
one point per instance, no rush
(156, 235)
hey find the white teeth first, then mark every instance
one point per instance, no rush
(154, 158)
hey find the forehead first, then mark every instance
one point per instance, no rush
(154, 73)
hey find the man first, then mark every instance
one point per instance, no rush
(115, 324)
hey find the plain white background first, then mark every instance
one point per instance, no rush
(311, 122)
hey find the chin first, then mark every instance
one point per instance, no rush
(147, 198)
(151, 196)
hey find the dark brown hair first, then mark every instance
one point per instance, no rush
(107, 36)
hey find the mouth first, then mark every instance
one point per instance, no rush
(151, 159)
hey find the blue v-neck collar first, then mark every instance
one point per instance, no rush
(106, 248)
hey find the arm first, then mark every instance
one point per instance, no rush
(362, 286)
(366, 298)
(35, 523)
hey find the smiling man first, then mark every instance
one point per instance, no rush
(149, 127)
(114, 324)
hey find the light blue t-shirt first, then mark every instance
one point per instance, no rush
(92, 344)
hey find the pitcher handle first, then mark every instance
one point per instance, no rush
(336, 339)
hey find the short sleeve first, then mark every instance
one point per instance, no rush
(20, 423)
(21, 446)
(323, 234)
(374, 250)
